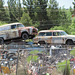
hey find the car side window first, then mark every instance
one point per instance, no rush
(55, 34)
(13, 26)
(48, 33)
(41, 34)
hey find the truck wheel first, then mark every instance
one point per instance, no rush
(1, 41)
(24, 36)
(69, 42)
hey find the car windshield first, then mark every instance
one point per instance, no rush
(20, 25)
(63, 33)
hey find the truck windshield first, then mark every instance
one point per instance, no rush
(20, 25)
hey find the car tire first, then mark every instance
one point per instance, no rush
(41, 42)
(24, 36)
(69, 42)
(1, 41)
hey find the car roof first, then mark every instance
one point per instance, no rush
(50, 30)
(9, 24)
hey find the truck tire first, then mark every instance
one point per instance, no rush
(1, 41)
(69, 42)
(24, 36)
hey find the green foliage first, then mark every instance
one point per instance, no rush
(2, 23)
(43, 14)
(33, 56)
(37, 12)
(3, 14)
(72, 27)
(15, 10)
(66, 70)
(53, 12)
(57, 28)
(61, 65)
(26, 20)
(72, 52)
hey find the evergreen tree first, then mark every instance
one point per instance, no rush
(15, 10)
(37, 11)
(72, 27)
(3, 14)
(53, 12)
(26, 20)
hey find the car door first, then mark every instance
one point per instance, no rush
(46, 37)
(56, 38)
(41, 36)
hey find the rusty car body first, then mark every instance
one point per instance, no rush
(16, 30)
(54, 37)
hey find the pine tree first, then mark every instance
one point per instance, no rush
(3, 14)
(37, 11)
(15, 10)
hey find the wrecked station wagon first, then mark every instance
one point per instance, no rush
(16, 30)
(54, 37)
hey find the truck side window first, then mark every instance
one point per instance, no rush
(20, 25)
(13, 26)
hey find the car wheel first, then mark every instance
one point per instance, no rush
(24, 36)
(41, 42)
(1, 41)
(69, 42)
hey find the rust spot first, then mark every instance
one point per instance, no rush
(19, 31)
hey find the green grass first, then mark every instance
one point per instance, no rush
(34, 52)
(62, 65)
(29, 40)
(72, 52)
(33, 56)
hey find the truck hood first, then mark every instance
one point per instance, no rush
(31, 27)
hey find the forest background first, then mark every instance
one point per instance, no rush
(43, 14)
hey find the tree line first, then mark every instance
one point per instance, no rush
(43, 14)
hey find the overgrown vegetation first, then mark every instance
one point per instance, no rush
(43, 14)
(61, 65)
(33, 56)
(66, 70)
(72, 52)
(2, 23)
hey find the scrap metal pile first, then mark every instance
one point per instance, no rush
(31, 59)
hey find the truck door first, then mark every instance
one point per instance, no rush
(14, 32)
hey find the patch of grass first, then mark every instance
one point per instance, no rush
(72, 52)
(29, 40)
(62, 65)
(34, 52)
(33, 56)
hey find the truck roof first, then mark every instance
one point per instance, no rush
(9, 24)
